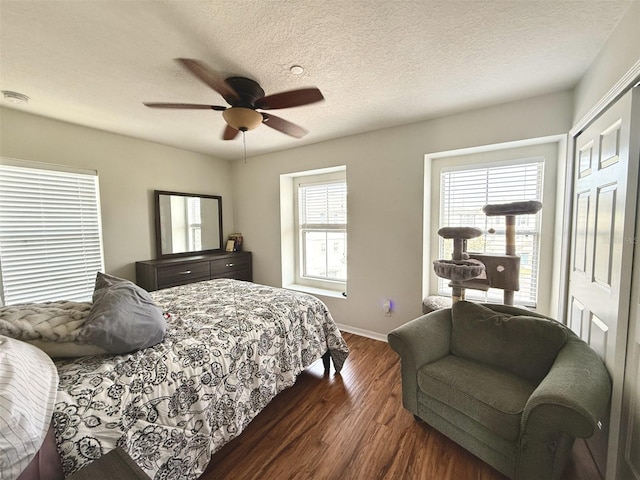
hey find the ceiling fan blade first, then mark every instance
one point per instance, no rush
(191, 106)
(283, 125)
(292, 98)
(230, 133)
(209, 77)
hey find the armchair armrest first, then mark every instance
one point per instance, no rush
(418, 342)
(572, 397)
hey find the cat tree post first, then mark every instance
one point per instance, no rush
(510, 249)
(510, 211)
(457, 293)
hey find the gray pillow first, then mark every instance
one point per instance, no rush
(524, 345)
(123, 317)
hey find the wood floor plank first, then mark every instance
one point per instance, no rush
(352, 426)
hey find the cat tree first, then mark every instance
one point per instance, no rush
(482, 271)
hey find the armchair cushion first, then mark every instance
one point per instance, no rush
(523, 345)
(495, 398)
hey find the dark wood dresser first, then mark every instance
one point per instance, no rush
(169, 272)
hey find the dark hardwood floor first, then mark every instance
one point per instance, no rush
(353, 426)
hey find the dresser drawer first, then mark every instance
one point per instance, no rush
(164, 273)
(229, 265)
(243, 274)
(183, 273)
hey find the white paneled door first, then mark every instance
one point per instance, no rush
(629, 454)
(603, 238)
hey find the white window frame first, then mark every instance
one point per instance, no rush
(292, 232)
(528, 294)
(554, 150)
(302, 278)
(50, 232)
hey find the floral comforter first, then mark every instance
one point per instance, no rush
(230, 348)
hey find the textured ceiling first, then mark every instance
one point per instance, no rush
(379, 63)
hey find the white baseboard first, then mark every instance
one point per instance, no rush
(363, 333)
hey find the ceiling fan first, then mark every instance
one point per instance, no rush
(245, 97)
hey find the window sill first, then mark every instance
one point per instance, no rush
(527, 305)
(315, 291)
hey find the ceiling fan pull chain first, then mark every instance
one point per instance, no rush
(244, 146)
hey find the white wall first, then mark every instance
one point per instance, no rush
(617, 57)
(385, 175)
(385, 180)
(129, 170)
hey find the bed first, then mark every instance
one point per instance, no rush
(228, 349)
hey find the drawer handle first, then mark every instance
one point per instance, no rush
(230, 264)
(186, 272)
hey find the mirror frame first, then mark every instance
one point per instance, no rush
(159, 254)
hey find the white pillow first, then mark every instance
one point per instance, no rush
(57, 328)
(67, 349)
(28, 385)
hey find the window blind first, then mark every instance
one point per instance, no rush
(323, 205)
(50, 235)
(463, 193)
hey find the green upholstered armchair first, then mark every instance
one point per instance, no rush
(513, 387)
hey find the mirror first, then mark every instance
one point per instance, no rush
(187, 223)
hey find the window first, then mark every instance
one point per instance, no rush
(463, 193)
(194, 221)
(50, 234)
(321, 204)
(313, 231)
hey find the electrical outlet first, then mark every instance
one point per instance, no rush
(387, 306)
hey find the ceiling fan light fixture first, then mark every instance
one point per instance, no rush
(242, 118)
